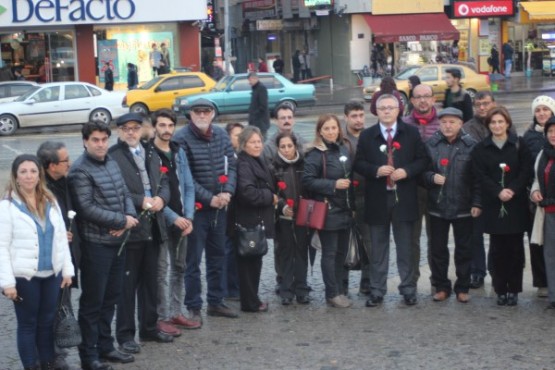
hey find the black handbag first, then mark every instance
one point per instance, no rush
(356, 252)
(66, 329)
(251, 241)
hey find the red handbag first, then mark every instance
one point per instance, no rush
(311, 213)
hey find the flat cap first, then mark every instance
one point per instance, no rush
(129, 117)
(450, 112)
(202, 103)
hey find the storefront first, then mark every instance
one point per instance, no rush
(66, 40)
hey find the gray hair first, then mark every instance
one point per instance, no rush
(387, 96)
(246, 134)
(47, 153)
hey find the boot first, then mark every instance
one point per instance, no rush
(47, 365)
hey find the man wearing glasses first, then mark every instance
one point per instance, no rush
(391, 156)
(212, 163)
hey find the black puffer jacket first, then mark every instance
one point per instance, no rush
(100, 198)
(322, 187)
(206, 161)
(460, 100)
(159, 187)
(461, 190)
(291, 174)
(534, 140)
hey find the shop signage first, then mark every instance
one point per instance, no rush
(384, 7)
(259, 9)
(407, 38)
(269, 25)
(68, 12)
(474, 9)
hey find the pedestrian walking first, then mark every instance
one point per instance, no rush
(508, 53)
(132, 76)
(259, 113)
(296, 63)
(494, 59)
(108, 77)
(278, 65)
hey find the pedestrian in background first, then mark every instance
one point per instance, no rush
(494, 59)
(413, 82)
(108, 78)
(255, 202)
(327, 178)
(35, 260)
(508, 52)
(262, 66)
(278, 65)
(259, 113)
(455, 95)
(543, 109)
(155, 57)
(132, 76)
(387, 86)
(502, 163)
(296, 63)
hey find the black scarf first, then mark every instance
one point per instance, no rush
(548, 191)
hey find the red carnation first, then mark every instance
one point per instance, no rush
(507, 168)
(282, 185)
(198, 206)
(223, 179)
(396, 145)
(164, 169)
(356, 183)
(444, 162)
(290, 203)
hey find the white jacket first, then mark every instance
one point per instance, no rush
(19, 244)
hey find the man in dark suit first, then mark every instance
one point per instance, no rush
(391, 156)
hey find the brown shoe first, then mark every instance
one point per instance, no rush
(222, 311)
(167, 328)
(440, 296)
(463, 297)
(195, 316)
(185, 323)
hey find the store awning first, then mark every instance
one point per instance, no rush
(539, 10)
(412, 27)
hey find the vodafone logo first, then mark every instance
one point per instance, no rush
(469, 9)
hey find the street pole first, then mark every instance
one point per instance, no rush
(227, 42)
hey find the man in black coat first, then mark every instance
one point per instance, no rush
(391, 156)
(149, 188)
(259, 114)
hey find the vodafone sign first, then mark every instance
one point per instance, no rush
(473, 9)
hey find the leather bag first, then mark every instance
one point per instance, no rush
(251, 242)
(311, 213)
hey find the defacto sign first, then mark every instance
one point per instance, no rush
(20, 13)
(474, 9)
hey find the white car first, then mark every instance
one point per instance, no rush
(11, 90)
(61, 103)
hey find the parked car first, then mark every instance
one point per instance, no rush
(232, 94)
(11, 90)
(434, 75)
(60, 103)
(161, 91)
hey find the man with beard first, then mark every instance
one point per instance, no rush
(179, 213)
(212, 163)
(455, 95)
(424, 118)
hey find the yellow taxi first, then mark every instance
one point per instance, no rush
(161, 91)
(434, 75)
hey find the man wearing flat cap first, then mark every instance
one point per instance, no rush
(212, 163)
(149, 188)
(453, 199)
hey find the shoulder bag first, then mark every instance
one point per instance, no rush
(251, 241)
(312, 213)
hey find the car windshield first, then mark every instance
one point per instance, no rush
(28, 93)
(150, 83)
(222, 84)
(406, 73)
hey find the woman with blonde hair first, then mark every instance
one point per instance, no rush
(35, 260)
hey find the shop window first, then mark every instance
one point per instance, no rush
(47, 94)
(76, 92)
(189, 82)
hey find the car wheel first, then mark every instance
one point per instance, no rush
(101, 115)
(139, 108)
(472, 93)
(8, 124)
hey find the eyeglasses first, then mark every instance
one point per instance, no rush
(130, 129)
(417, 97)
(202, 110)
(383, 109)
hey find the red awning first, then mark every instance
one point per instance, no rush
(411, 27)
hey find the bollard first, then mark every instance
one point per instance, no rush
(331, 86)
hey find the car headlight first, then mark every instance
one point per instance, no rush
(183, 102)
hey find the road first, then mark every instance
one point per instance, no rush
(447, 335)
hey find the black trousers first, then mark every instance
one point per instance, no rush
(537, 261)
(439, 232)
(140, 282)
(507, 254)
(249, 270)
(293, 253)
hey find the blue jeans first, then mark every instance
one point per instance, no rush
(101, 289)
(508, 67)
(35, 318)
(207, 235)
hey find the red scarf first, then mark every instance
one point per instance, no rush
(424, 119)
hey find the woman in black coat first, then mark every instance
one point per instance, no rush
(255, 198)
(293, 240)
(502, 163)
(327, 177)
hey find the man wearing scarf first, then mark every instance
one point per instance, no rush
(424, 118)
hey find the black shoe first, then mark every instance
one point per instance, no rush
(130, 347)
(501, 299)
(96, 365)
(374, 301)
(303, 299)
(410, 299)
(222, 311)
(286, 301)
(117, 356)
(512, 299)
(476, 282)
(157, 336)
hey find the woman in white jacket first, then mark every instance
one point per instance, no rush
(34, 259)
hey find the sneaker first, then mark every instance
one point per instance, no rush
(221, 311)
(542, 292)
(166, 327)
(184, 322)
(339, 301)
